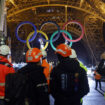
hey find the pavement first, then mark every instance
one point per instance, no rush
(94, 97)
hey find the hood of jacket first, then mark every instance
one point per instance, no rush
(68, 64)
(31, 67)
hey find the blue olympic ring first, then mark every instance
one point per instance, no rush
(57, 27)
(22, 23)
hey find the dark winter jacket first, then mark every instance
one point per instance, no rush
(68, 67)
(101, 67)
(35, 89)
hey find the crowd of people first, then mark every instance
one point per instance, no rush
(32, 84)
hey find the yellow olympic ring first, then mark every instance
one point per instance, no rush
(30, 34)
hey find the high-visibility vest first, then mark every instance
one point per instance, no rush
(82, 66)
(97, 76)
(47, 69)
(5, 68)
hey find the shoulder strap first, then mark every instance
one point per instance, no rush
(6, 64)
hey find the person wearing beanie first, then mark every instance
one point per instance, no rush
(74, 56)
(101, 65)
(5, 68)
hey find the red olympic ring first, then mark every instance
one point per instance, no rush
(82, 28)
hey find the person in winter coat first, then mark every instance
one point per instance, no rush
(5, 68)
(101, 65)
(100, 71)
(35, 90)
(97, 77)
(68, 82)
(74, 56)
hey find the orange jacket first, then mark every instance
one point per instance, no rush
(97, 75)
(5, 68)
(47, 69)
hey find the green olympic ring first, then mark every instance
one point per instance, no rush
(52, 36)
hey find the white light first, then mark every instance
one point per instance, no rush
(39, 40)
(24, 53)
(19, 65)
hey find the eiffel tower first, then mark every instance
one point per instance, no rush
(90, 13)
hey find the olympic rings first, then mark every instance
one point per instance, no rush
(57, 27)
(26, 22)
(27, 40)
(64, 31)
(82, 28)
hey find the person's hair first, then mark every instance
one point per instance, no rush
(4, 55)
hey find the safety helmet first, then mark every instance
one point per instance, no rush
(73, 55)
(4, 50)
(33, 55)
(64, 50)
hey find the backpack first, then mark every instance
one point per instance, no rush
(69, 83)
(15, 86)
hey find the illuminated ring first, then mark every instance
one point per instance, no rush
(60, 32)
(57, 27)
(82, 28)
(22, 23)
(30, 34)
